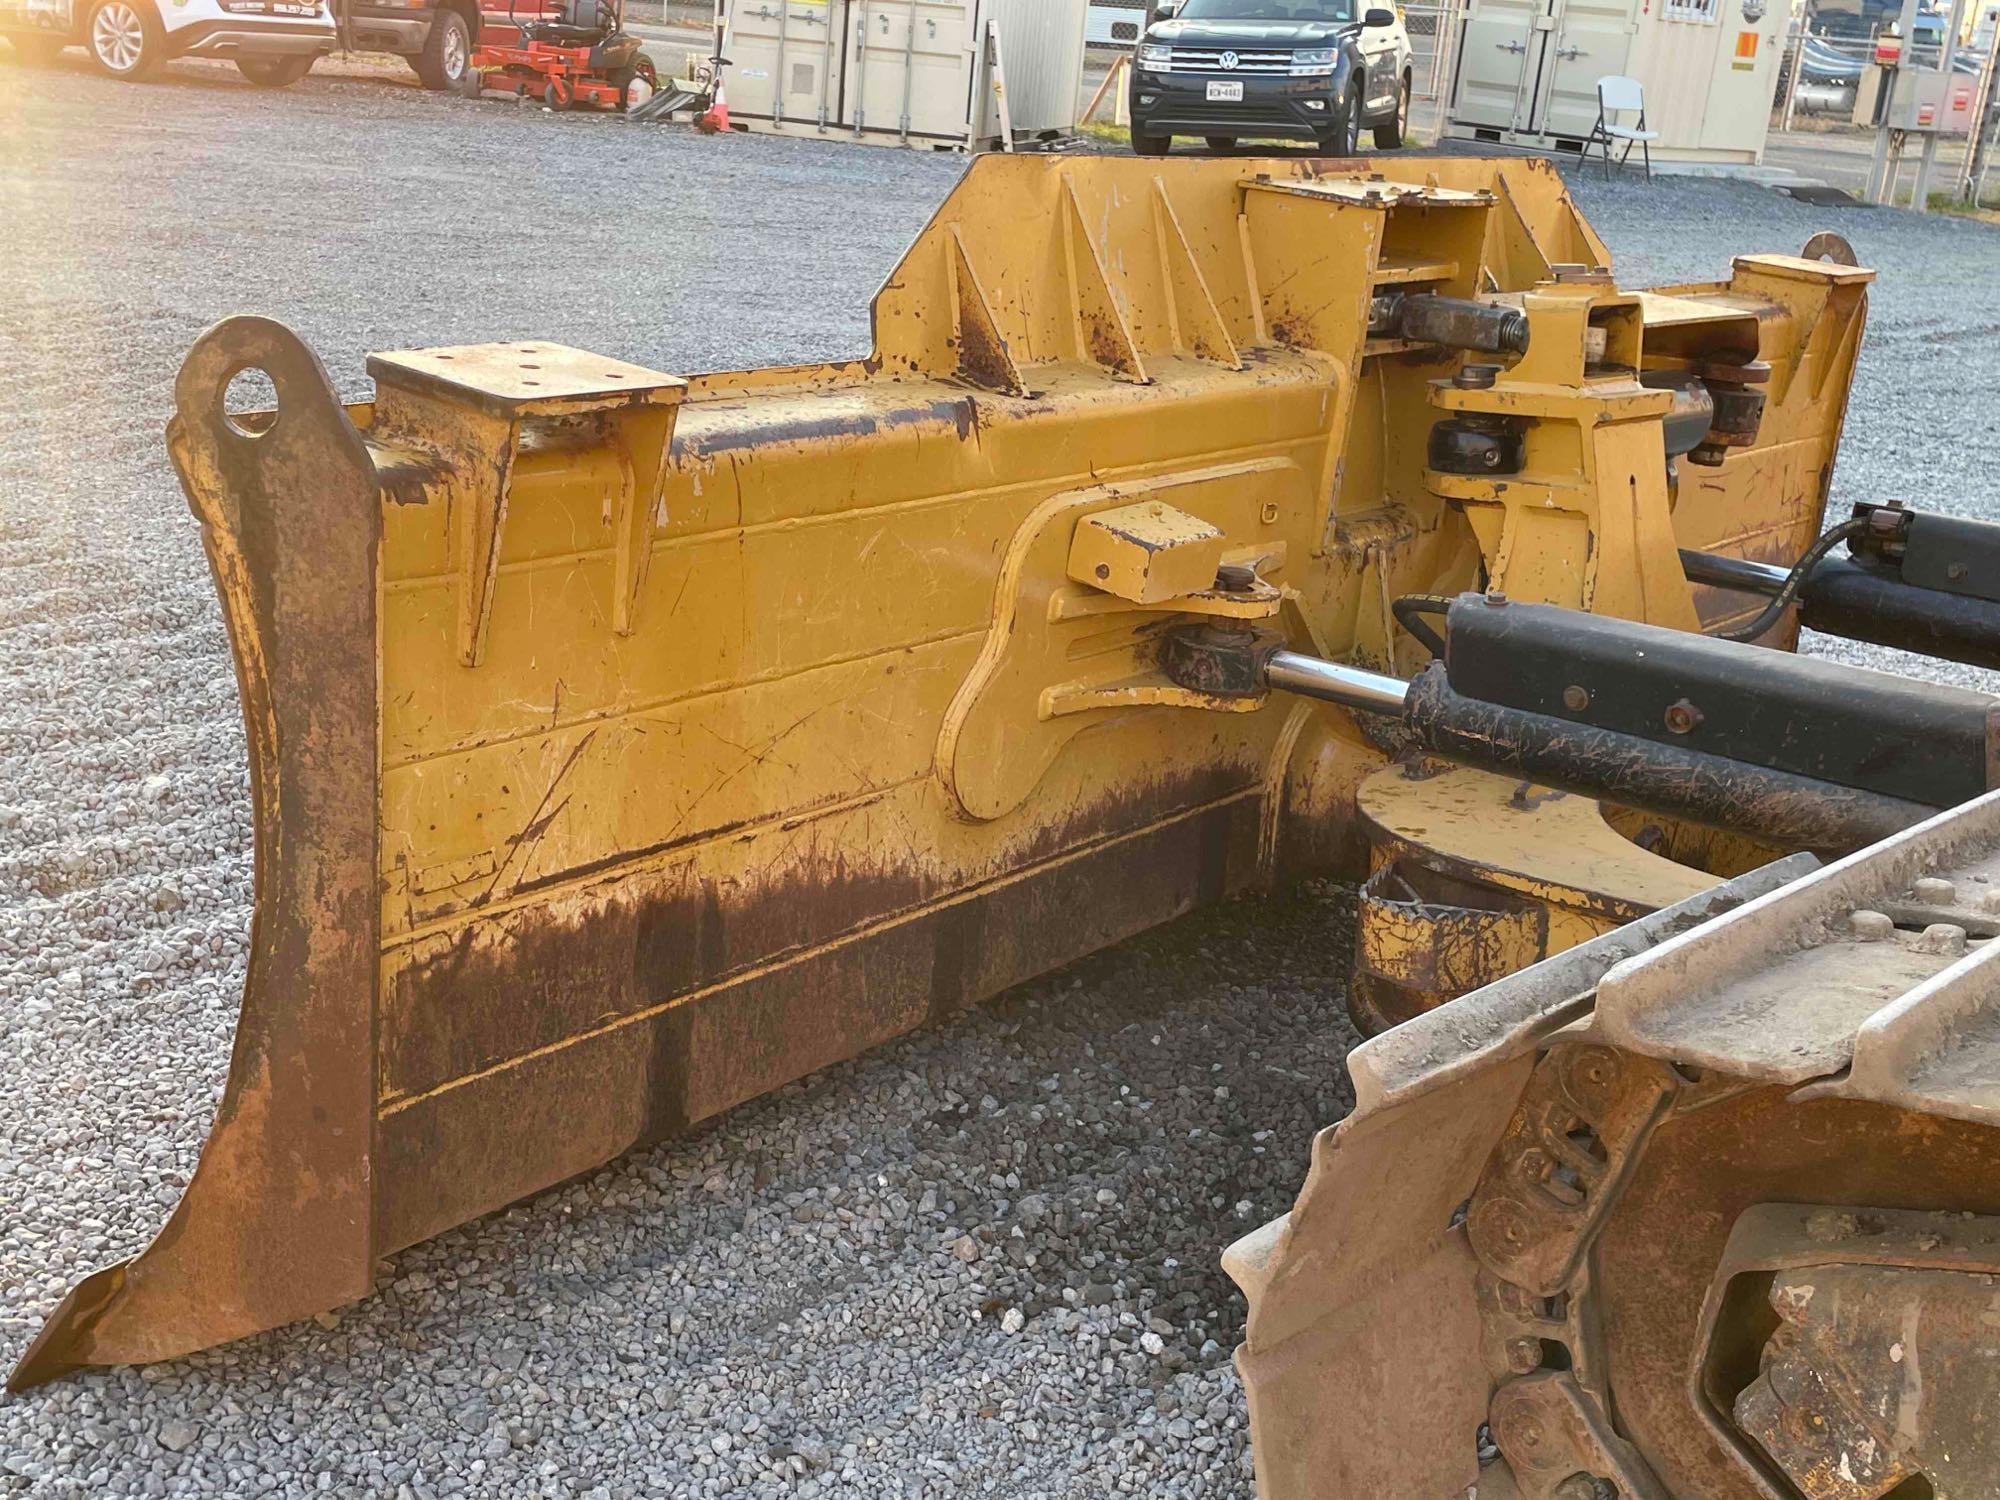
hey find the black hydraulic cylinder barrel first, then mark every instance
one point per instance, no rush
(1915, 742)
(1797, 812)
(1867, 601)
(1872, 604)
(1732, 572)
(1798, 751)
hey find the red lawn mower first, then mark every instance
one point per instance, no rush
(576, 53)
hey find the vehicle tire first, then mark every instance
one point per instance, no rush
(1345, 138)
(473, 84)
(1392, 130)
(447, 54)
(37, 50)
(1151, 145)
(558, 95)
(1222, 145)
(124, 38)
(274, 72)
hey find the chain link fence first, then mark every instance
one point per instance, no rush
(1820, 76)
(1433, 31)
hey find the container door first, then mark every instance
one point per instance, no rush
(907, 66)
(1499, 63)
(786, 61)
(1591, 39)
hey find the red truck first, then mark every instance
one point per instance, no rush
(437, 36)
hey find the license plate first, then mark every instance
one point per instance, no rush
(1225, 93)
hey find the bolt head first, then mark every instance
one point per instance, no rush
(1576, 698)
(1683, 717)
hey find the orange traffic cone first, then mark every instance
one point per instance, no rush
(715, 119)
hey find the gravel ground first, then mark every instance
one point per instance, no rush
(980, 1260)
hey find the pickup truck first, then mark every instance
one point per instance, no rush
(436, 36)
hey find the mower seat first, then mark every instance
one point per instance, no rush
(561, 34)
(586, 23)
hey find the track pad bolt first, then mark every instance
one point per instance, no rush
(1576, 698)
(1524, 1355)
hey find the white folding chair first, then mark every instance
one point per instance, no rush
(1616, 95)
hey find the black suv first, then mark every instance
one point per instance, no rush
(1295, 69)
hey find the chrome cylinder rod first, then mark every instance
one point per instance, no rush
(1351, 687)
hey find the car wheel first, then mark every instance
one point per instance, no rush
(1392, 131)
(124, 38)
(37, 49)
(1151, 145)
(274, 72)
(447, 54)
(1345, 138)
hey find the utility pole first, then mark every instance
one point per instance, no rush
(1795, 35)
(1887, 165)
(1973, 179)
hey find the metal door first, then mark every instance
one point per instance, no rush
(1532, 65)
(787, 61)
(1499, 69)
(1591, 39)
(907, 64)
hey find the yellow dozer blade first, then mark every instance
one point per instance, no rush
(625, 745)
(1705, 1207)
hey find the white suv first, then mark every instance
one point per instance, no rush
(272, 42)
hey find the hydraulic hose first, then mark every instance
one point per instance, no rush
(1788, 592)
(1410, 611)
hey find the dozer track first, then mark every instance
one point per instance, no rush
(624, 745)
(1705, 1207)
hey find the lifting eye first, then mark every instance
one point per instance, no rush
(250, 402)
